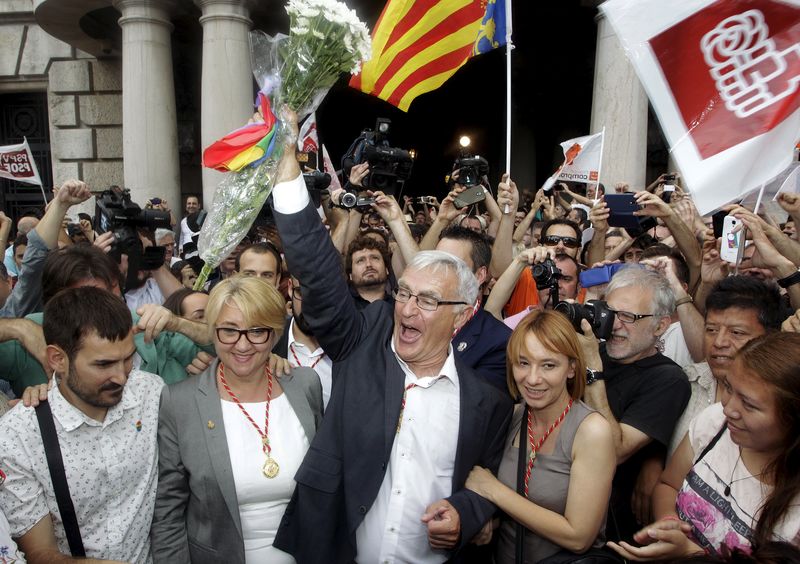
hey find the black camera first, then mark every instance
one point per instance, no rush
(389, 167)
(471, 169)
(114, 211)
(596, 312)
(546, 274)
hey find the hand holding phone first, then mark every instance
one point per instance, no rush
(733, 240)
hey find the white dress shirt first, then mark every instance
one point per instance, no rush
(307, 357)
(111, 468)
(150, 293)
(420, 472)
(185, 235)
(675, 347)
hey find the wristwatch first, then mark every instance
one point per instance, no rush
(593, 376)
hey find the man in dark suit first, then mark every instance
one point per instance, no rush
(481, 342)
(384, 477)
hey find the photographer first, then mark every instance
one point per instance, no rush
(150, 285)
(566, 280)
(640, 392)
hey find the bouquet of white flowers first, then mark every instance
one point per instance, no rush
(325, 39)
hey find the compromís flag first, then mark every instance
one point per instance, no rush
(418, 44)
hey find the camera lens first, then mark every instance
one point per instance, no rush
(349, 200)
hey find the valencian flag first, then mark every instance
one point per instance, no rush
(724, 79)
(418, 44)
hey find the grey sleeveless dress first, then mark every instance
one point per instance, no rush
(548, 485)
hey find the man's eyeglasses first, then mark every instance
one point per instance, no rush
(628, 317)
(231, 336)
(428, 303)
(569, 242)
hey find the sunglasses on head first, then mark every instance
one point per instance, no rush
(569, 242)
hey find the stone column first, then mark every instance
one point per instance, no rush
(620, 104)
(227, 82)
(149, 123)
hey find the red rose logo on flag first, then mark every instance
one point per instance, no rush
(733, 69)
(571, 153)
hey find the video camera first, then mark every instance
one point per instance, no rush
(115, 212)
(389, 167)
(471, 169)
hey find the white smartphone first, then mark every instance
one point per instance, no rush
(733, 240)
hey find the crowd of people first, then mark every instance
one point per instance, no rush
(411, 381)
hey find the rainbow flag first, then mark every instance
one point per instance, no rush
(248, 145)
(418, 44)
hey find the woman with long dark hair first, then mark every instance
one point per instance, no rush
(734, 481)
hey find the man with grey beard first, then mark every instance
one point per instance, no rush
(640, 392)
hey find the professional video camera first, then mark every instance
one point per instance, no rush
(471, 170)
(115, 212)
(596, 312)
(389, 167)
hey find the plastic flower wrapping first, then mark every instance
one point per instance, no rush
(325, 39)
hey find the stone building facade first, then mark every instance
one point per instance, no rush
(127, 92)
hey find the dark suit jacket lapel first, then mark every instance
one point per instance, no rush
(471, 425)
(208, 405)
(299, 402)
(393, 397)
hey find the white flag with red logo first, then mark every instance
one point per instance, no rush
(330, 169)
(307, 140)
(16, 163)
(724, 79)
(582, 157)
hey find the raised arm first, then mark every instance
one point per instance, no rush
(390, 211)
(504, 287)
(447, 213)
(598, 216)
(502, 249)
(685, 240)
(495, 212)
